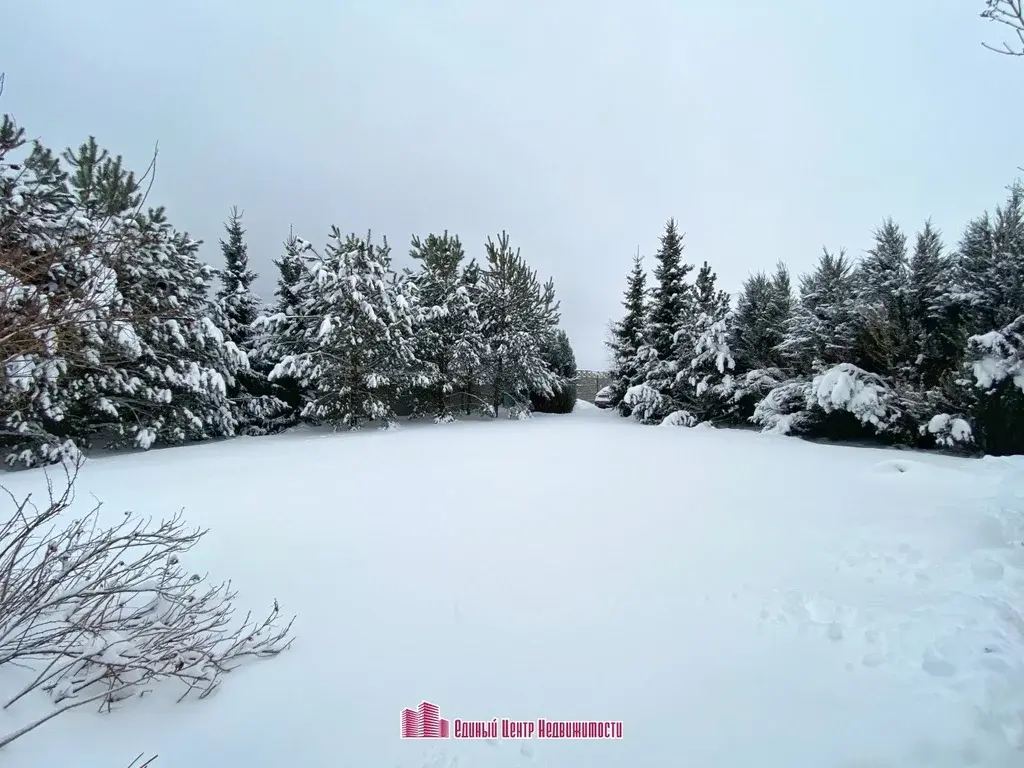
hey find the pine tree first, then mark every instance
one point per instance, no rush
(518, 315)
(449, 338)
(629, 335)
(103, 186)
(360, 356)
(470, 282)
(176, 391)
(60, 308)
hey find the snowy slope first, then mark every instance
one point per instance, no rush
(734, 599)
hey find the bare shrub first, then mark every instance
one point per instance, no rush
(100, 614)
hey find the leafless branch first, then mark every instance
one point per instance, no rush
(1009, 13)
(100, 614)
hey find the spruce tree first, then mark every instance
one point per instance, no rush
(708, 299)
(884, 330)
(629, 335)
(672, 303)
(929, 282)
(778, 312)
(282, 330)
(240, 305)
(671, 320)
(702, 364)
(991, 278)
(752, 340)
(258, 408)
(822, 331)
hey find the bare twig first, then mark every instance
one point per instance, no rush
(99, 614)
(1009, 13)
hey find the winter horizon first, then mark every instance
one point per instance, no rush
(579, 131)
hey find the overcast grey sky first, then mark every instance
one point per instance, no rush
(768, 129)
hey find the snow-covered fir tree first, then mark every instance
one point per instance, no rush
(930, 316)
(281, 329)
(561, 362)
(990, 274)
(763, 309)
(360, 355)
(706, 368)
(708, 299)
(176, 389)
(470, 280)
(258, 409)
(238, 302)
(756, 329)
(883, 321)
(518, 315)
(150, 360)
(670, 328)
(448, 331)
(59, 302)
(822, 331)
(628, 335)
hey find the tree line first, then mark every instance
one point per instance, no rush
(914, 344)
(111, 333)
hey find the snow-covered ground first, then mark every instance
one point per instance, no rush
(734, 599)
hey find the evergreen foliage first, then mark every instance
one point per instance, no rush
(561, 362)
(518, 316)
(258, 407)
(909, 344)
(628, 335)
(448, 334)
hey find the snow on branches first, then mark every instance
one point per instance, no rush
(97, 613)
(999, 355)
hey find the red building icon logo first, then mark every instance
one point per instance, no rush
(424, 723)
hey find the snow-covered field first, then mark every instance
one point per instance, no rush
(734, 599)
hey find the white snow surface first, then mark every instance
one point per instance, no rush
(735, 599)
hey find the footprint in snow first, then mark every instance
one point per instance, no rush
(895, 467)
